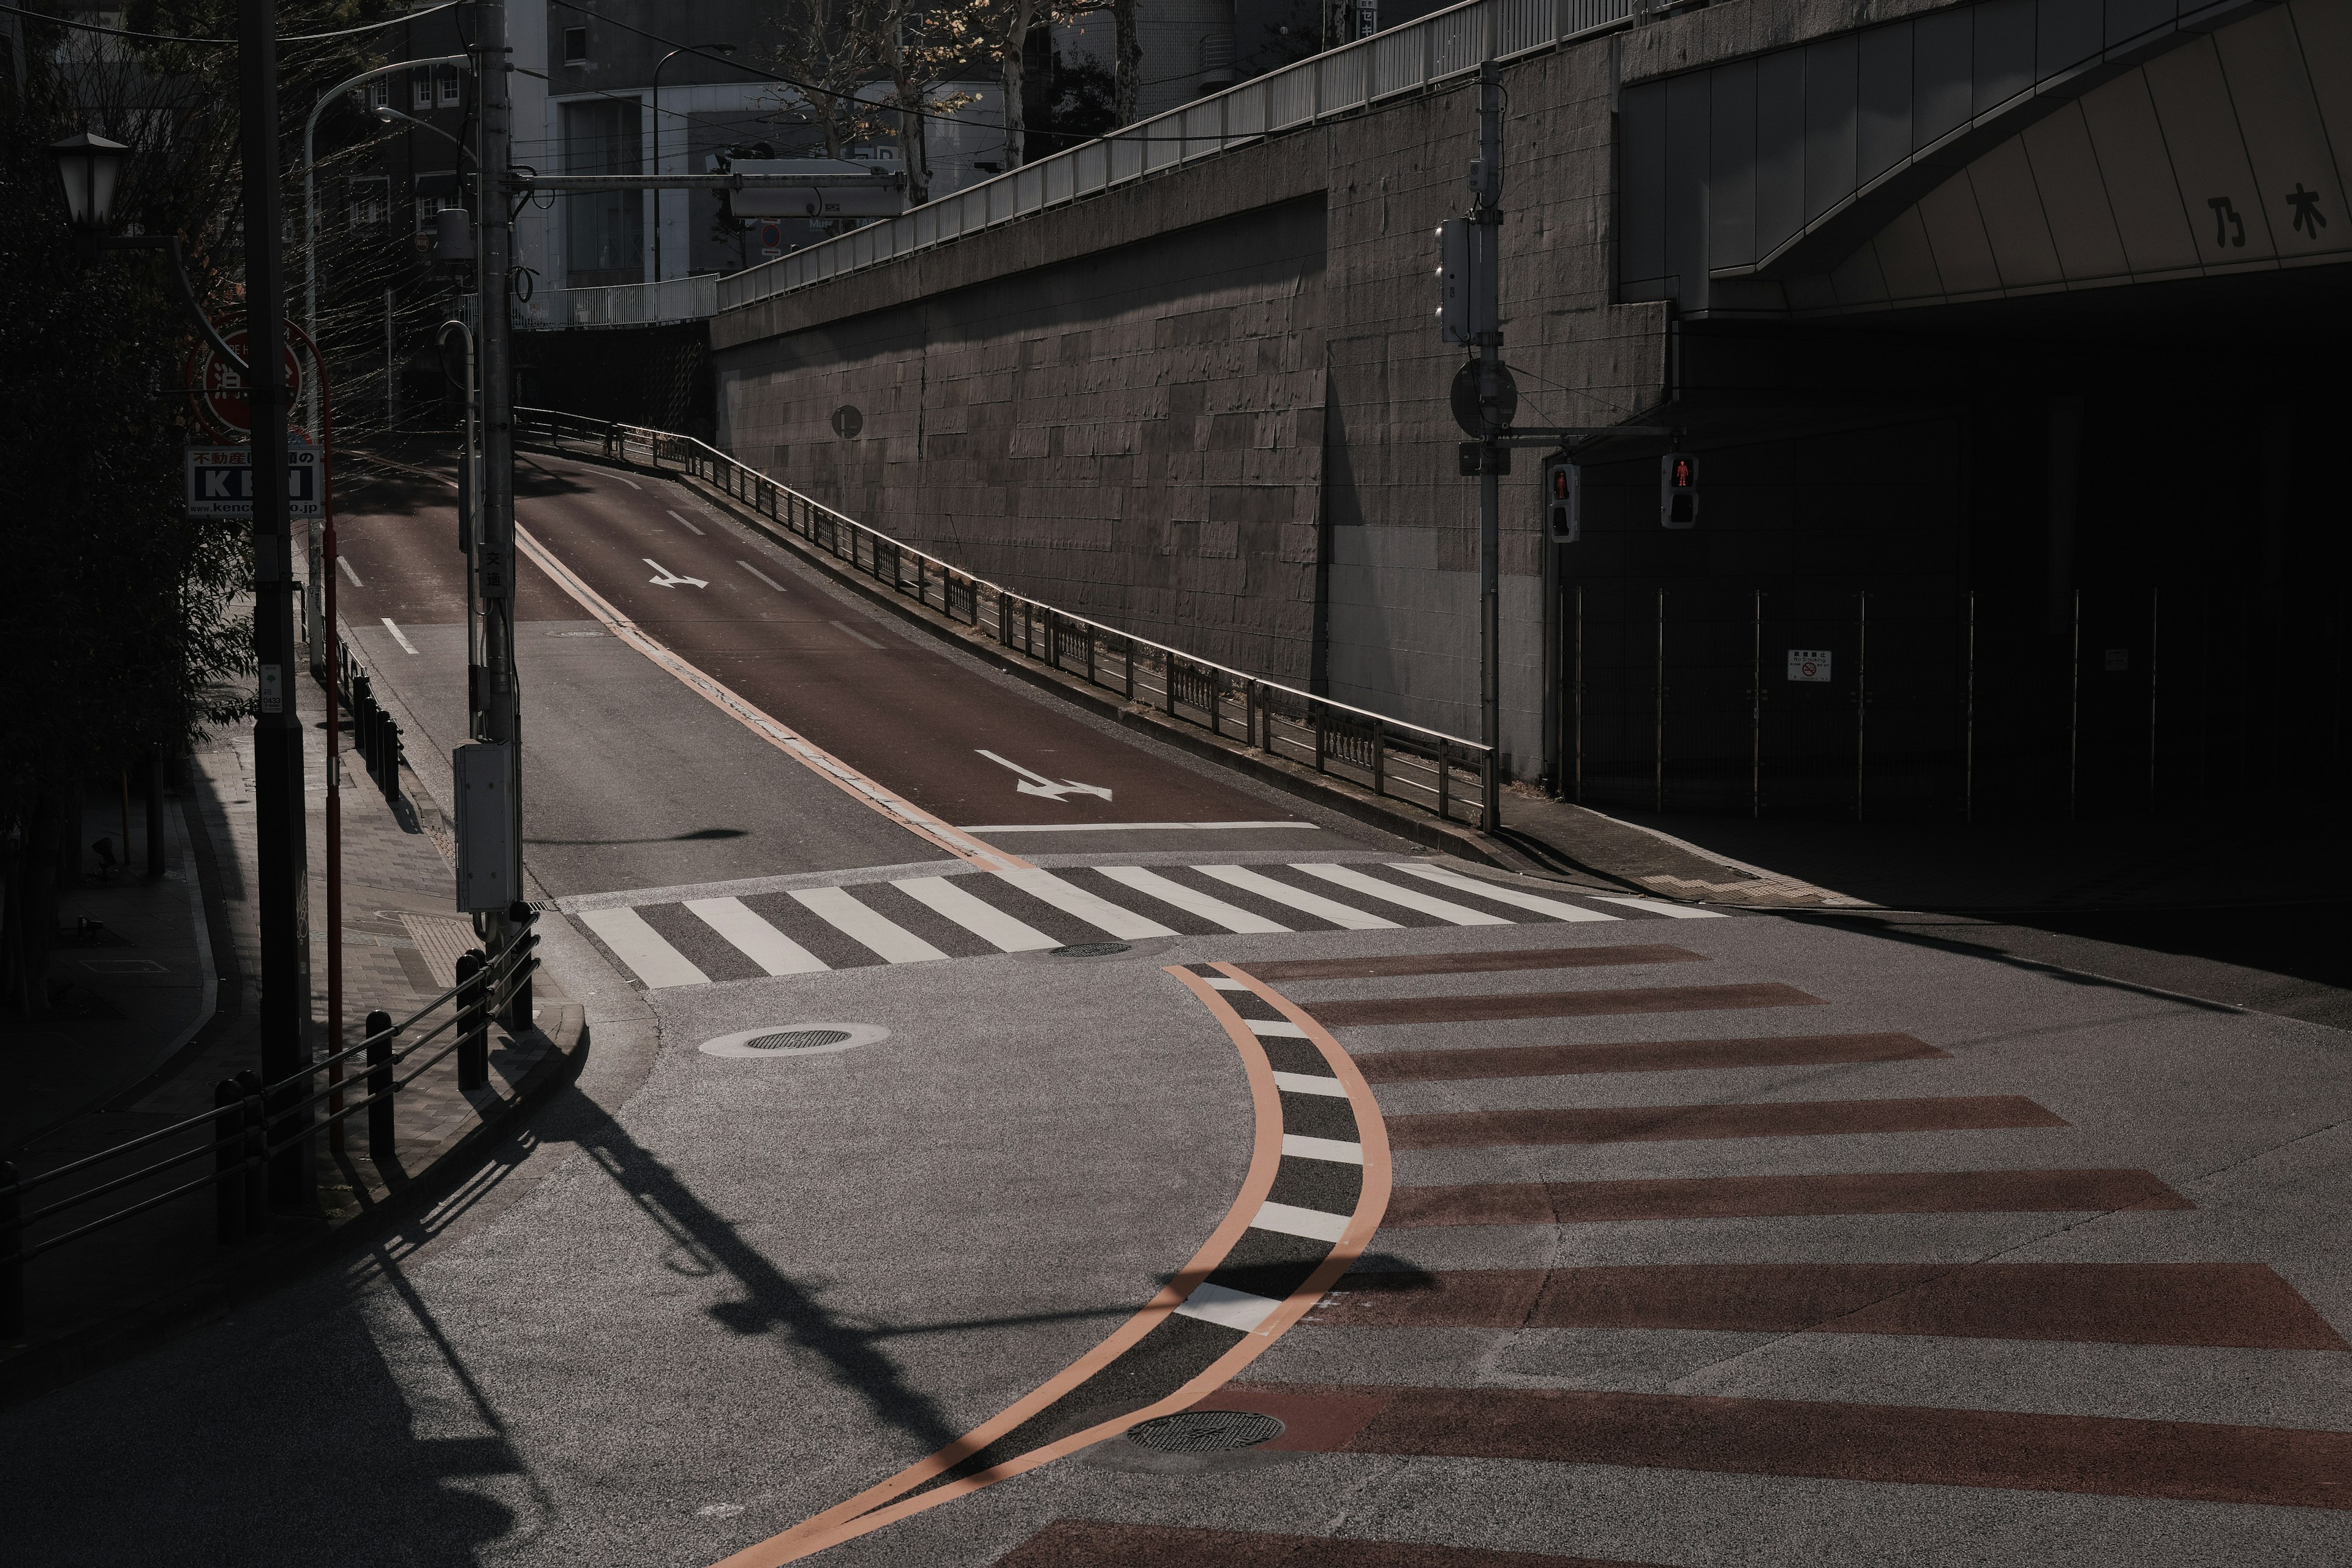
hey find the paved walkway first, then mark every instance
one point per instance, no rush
(401, 941)
(2262, 853)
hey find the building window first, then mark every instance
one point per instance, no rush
(368, 199)
(426, 206)
(374, 95)
(449, 87)
(420, 88)
(575, 46)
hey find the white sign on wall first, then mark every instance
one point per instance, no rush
(1808, 664)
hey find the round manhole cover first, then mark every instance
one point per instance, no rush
(773, 1042)
(1205, 1431)
(797, 1039)
(1092, 949)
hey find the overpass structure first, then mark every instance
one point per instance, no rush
(2003, 330)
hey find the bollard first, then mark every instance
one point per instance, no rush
(257, 1152)
(381, 1145)
(228, 1152)
(520, 941)
(12, 1256)
(473, 1024)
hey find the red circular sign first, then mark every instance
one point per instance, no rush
(220, 392)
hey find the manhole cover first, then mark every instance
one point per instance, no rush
(797, 1039)
(1205, 1431)
(783, 1042)
(1093, 950)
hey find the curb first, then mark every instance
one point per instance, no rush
(1337, 795)
(296, 1245)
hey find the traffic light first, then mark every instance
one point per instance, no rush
(1563, 500)
(1678, 491)
(1453, 250)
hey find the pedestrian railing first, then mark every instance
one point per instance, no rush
(1438, 772)
(258, 1138)
(1452, 43)
(375, 736)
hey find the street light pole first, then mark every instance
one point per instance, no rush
(278, 815)
(683, 49)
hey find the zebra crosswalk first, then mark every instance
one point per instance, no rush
(921, 920)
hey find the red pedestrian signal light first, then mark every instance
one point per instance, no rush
(1563, 487)
(1678, 491)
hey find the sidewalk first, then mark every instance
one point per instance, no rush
(140, 1072)
(2253, 855)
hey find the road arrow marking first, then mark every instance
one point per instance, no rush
(1043, 785)
(669, 579)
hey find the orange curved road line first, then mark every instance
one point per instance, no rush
(845, 1520)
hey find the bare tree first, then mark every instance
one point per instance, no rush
(1128, 70)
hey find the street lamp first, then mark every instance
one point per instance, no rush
(688, 50)
(90, 166)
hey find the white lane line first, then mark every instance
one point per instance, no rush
(1311, 1083)
(1454, 914)
(754, 937)
(628, 481)
(689, 527)
(1345, 916)
(985, 922)
(1233, 917)
(1127, 826)
(1288, 1219)
(893, 943)
(762, 576)
(859, 636)
(1100, 913)
(1672, 911)
(398, 636)
(1338, 1151)
(1227, 1309)
(345, 562)
(1551, 906)
(1274, 1029)
(644, 949)
(798, 747)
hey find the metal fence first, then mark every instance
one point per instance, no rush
(1438, 772)
(246, 1138)
(1404, 59)
(621, 304)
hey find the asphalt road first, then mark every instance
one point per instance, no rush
(1550, 1226)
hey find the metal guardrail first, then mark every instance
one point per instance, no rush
(621, 304)
(1438, 772)
(252, 1123)
(1402, 59)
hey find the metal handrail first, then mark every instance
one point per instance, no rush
(473, 1002)
(1336, 739)
(1449, 43)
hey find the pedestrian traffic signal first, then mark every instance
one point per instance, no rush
(1678, 491)
(1563, 499)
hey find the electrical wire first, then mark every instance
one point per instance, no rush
(225, 43)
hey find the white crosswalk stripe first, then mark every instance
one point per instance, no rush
(894, 941)
(754, 937)
(644, 949)
(983, 921)
(1226, 915)
(803, 930)
(1101, 913)
(1345, 916)
(1512, 896)
(1456, 914)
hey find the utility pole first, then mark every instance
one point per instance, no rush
(278, 817)
(1495, 419)
(496, 693)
